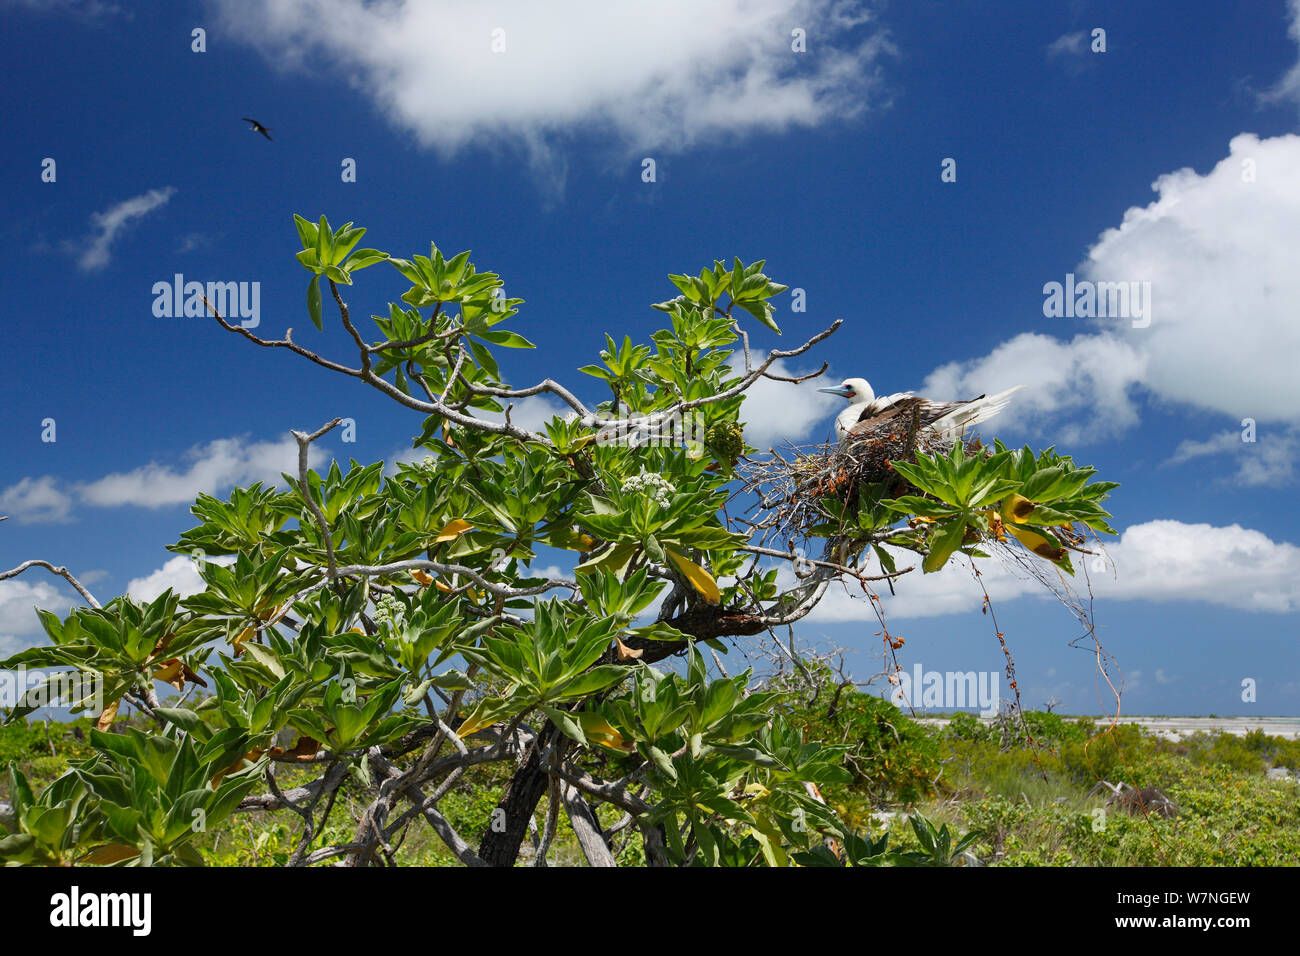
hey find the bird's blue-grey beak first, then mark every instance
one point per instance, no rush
(839, 390)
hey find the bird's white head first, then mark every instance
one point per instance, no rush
(856, 390)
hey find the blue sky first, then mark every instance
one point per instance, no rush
(826, 163)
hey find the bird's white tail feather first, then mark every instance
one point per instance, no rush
(981, 409)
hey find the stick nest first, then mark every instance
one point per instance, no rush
(790, 485)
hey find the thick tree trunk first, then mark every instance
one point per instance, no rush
(506, 832)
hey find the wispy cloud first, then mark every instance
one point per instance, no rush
(1069, 44)
(1268, 460)
(193, 242)
(85, 10)
(1288, 88)
(95, 251)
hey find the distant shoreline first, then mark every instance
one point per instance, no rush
(1174, 728)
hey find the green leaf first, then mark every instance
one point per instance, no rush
(662, 761)
(182, 717)
(324, 242)
(509, 340)
(596, 679)
(306, 232)
(313, 301)
(763, 312)
(344, 241)
(945, 540)
(362, 258)
(567, 723)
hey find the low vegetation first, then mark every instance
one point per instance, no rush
(968, 793)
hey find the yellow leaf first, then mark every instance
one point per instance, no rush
(700, 579)
(1037, 544)
(304, 750)
(488, 711)
(627, 653)
(247, 634)
(422, 578)
(169, 671)
(108, 715)
(110, 853)
(175, 672)
(453, 530)
(996, 527)
(161, 646)
(601, 731)
(252, 756)
(1017, 508)
(472, 724)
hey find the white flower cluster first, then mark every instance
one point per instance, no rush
(657, 487)
(389, 610)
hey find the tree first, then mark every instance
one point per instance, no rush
(388, 630)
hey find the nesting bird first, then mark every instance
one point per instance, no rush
(866, 413)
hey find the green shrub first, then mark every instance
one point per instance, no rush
(966, 726)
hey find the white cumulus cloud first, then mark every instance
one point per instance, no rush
(209, 468)
(180, 574)
(18, 599)
(36, 500)
(519, 73)
(1161, 560)
(218, 464)
(1218, 250)
(1085, 385)
(776, 412)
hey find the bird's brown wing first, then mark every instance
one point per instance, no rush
(901, 412)
(896, 414)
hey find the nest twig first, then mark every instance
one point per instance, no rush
(791, 486)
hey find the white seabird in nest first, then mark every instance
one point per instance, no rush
(866, 413)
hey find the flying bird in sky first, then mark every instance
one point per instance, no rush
(257, 127)
(866, 412)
